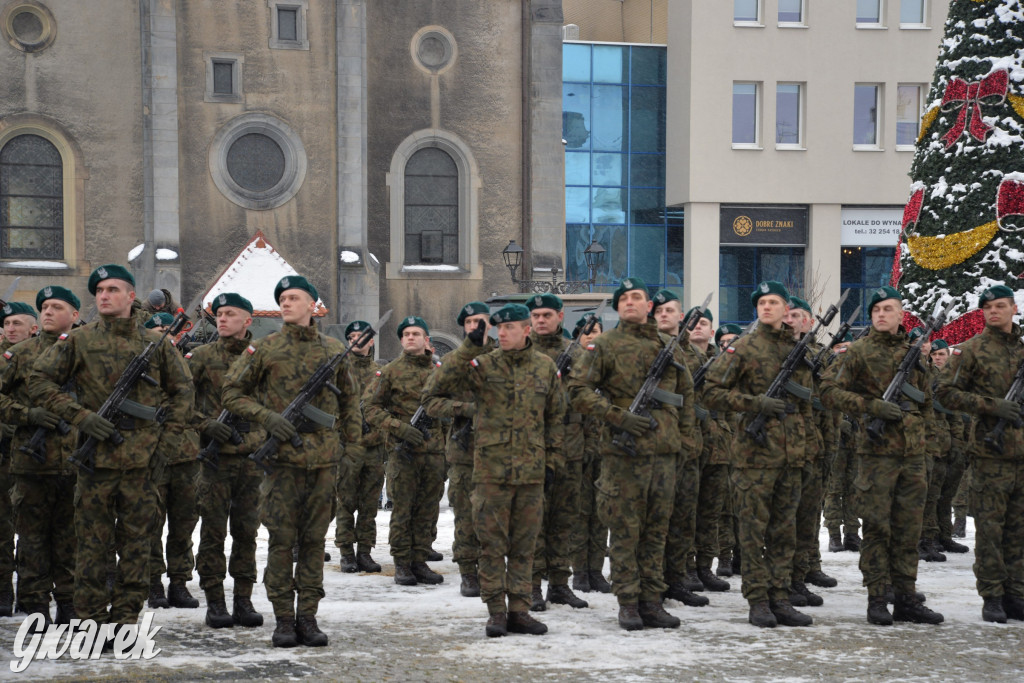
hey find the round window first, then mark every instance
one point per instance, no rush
(433, 49)
(257, 161)
(28, 26)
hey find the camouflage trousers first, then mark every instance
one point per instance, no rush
(296, 506)
(955, 464)
(727, 526)
(936, 479)
(228, 495)
(808, 520)
(552, 558)
(45, 513)
(710, 503)
(890, 496)
(593, 545)
(360, 478)
(961, 499)
(6, 527)
(840, 513)
(113, 509)
(997, 501)
(507, 520)
(416, 489)
(682, 527)
(176, 501)
(634, 498)
(765, 504)
(466, 546)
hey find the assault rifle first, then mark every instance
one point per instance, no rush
(649, 390)
(899, 384)
(994, 439)
(702, 371)
(301, 407)
(564, 360)
(36, 446)
(826, 352)
(210, 454)
(421, 421)
(756, 427)
(118, 405)
(9, 292)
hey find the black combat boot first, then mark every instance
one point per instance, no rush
(581, 582)
(937, 548)
(787, 616)
(993, 610)
(693, 582)
(927, 552)
(878, 611)
(497, 625)
(348, 560)
(244, 614)
(852, 542)
(44, 609)
(598, 582)
(284, 634)
(677, 591)
(710, 581)
(470, 587)
(425, 574)
(217, 612)
(1014, 607)
(797, 599)
(157, 598)
(65, 613)
(761, 616)
(7, 603)
(813, 599)
(308, 633)
(563, 595)
(365, 563)
(178, 596)
(951, 546)
(724, 567)
(629, 618)
(537, 603)
(653, 615)
(890, 595)
(434, 556)
(835, 542)
(404, 575)
(909, 608)
(819, 578)
(523, 622)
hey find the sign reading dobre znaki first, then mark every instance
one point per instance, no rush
(771, 225)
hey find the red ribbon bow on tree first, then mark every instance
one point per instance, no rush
(1009, 201)
(990, 90)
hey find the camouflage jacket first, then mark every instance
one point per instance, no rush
(269, 374)
(95, 356)
(209, 364)
(364, 371)
(701, 435)
(552, 345)
(521, 408)
(861, 374)
(15, 403)
(394, 396)
(460, 444)
(719, 430)
(979, 371)
(739, 376)
(617, 363)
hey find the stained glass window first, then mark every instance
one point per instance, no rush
(31, 199)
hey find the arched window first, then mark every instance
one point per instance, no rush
(431, 208)
(31, 199)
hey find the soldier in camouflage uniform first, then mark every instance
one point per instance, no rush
(415, 469)
(955, 461)
(44, 485)
(116, 504)
(976, 380)
(766, 476)
(553, 555)
(728, 551)
(361, 475)
(891, 483)
(636, 492)
(297, 497)
(228, 484)
(459, 451)
(518, 440)
(840, 515)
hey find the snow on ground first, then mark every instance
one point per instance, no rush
(381, 631)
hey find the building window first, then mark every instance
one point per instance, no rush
(223, 77)
(288, 24)
(31, 199)
(908, 115)
(746, 12)
(791, 12)
(431, 208)
(863, 270)
(788, 115)
(869, 12)
(742, 268)
(745, 114)
(866, 115)
(912, 13)
(257, 161)
(28, 26)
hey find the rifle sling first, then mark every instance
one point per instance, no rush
(317, 416)
(912, 392)
(798, 390)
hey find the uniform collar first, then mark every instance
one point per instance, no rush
(890, 338)
(519, 355)
(47, 337)
(1011, 337)
(361, 361)
(553, 340)
(299, 332)
(420, 359)
(122, 327)
(646, 330)
(784, 333)
(234, 345)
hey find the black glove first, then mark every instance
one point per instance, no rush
(635, 424)
(41, 417)
(1006, 410)
(478, 333)
(217, 431)
(279, 427)
(95, 426)
(549, 479)
(771, 406)
(890, 412)
(410, 435)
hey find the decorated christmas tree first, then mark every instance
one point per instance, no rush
(963, 225)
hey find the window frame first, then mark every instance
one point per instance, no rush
(913, 25)
(871, 25)
(758, 114)
(236, 60)
(877, 146)
(801, 112)
(301, 8)
(795, 24)
(746, 23)
(920, 112)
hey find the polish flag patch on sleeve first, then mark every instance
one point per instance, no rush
(62, 337)
(474, 363)
(841, 349)
(730, 350)
(377, 373)
(188, 355)
(558, 374)
(590, 347)
(8, 355)
(251, 350)
(957, 352)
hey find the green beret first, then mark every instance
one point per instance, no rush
(359, 326)
(57, 292)
(728, 328)
(231, 299)
(996, 292)
(883, 293)
(769, 287)
(413, 321)
(663, 297)
(939, 344)
(510, 313)
(626, 285)
(107, 272)
(706, 314)
(16, 308)
(915, 333)
(160, 319)
(294, 282)
(848, 337)
(474, 308)
(582, 322)
(544, 301)
(797, 302)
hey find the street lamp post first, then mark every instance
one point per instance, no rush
(594, 255)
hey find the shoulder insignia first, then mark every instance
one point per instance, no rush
(63, 336)
(730, 350)
(8, 355)
(188, 355)
(590, 347)
(251, 350)
(957, 352)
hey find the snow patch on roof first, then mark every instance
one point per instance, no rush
(52, 265)
(349, 257)
(166, 255)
